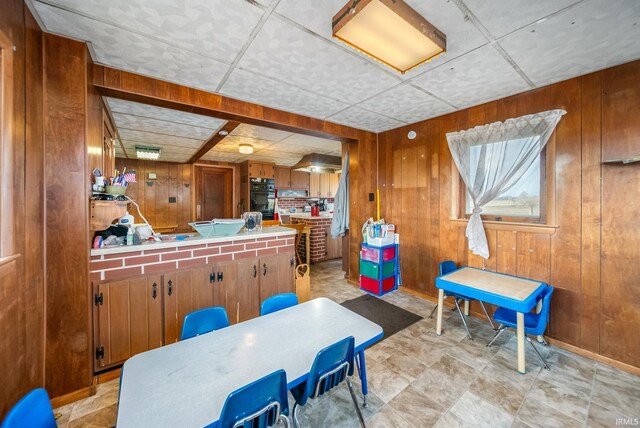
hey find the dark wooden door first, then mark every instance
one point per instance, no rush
(214, 193)
(248, 289)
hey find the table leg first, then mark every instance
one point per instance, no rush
(362, 372)
(466, 307)
(439, 317)
(520, 325)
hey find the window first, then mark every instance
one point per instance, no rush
(524, 202)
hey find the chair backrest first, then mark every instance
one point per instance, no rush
(278, 302)
(329, 369)
(257, 404)
(543, 319)
(33, 410)
(447, 266)
(204, 321)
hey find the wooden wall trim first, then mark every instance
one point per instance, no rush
(138, 88)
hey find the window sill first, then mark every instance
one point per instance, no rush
(507, 225)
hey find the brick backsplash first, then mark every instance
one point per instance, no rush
(118, 266)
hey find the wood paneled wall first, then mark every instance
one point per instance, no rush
(22, 271)
(591, 258)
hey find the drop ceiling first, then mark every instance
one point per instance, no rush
(280, 53)
(179, 135)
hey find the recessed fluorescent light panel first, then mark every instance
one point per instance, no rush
(389, 31)
(148, 153)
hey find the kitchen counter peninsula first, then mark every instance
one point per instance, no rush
(142, 293)
(323, 246)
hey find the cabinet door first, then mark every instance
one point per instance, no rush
(225, 277)
(286, 273)
(283, 178)
(268, 272)
(255, 169)
(314, 185)
(248, 289)
(269, 170)
(325, 185)
(127, 319)
(300, 180)
(333, 185)
(334, 246)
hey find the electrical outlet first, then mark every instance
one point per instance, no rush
(173, 199)
(372, 197)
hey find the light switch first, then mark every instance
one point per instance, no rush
(152, 176)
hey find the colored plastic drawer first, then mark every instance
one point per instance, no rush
(373, 285)
(373, 254)
(373, 270)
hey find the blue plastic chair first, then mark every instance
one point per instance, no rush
(278, 302)
(260, 404)
(33, 410)
(449, 266)
(333, 365)
(204, 321)
(534, 324)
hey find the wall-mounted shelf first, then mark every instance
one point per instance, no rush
(103, 213)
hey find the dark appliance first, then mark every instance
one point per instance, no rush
(263, 196)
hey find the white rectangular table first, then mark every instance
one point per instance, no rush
(186, 383)
(518, 294)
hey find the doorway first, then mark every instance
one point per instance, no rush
(214, 193)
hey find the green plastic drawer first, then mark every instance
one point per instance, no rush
(372, 270)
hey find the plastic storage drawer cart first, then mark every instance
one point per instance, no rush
(378, 268)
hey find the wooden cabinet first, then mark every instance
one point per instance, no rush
(300, 180)
(135, 315)
(127, 319)
(323, 185)
(261, 278)
(286, 178)
(262, 170)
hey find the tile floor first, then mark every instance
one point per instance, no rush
(417, 379)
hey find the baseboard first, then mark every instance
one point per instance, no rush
(72, 397)
(109, 375)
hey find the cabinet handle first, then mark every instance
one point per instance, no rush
(220, 276)
(212, 277)
(154, 293)
(255, 271)
(170, 290)
(291, 262)
(264, 269)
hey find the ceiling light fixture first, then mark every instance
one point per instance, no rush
(245, 149)
(389, 31)
(148, 153)
(223, 132)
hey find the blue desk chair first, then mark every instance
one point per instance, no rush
(332, 366)
(534, 324)
(260, 404)
(278, 302)
(33, 410)
(445, 268)
(204, 321)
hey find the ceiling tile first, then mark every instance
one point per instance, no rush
(311, 141)
(462, 35)
(480, 76)
(504, 16)
(146, 110)
(260, 132)
(406, 103)
(150, 138)
(365, 119)
(594, 35)
(129, 51)
(127, 121)
(290, 148)
(191, 24)
(166, 149)
(285, 52)
(268, 92)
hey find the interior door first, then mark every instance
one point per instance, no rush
(214, 193)
(248, 288)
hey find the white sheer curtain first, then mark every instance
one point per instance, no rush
(503, 152)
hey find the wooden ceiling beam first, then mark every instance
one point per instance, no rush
(214, 139)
